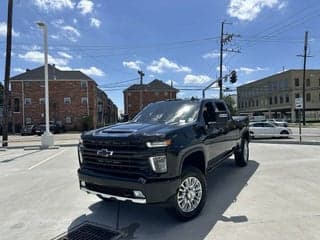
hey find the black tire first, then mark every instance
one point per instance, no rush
(189, 174)
(242, 155)
(284, 134)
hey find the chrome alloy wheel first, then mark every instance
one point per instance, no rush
(189, 194)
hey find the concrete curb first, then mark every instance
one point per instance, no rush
(286, 142)
(38, 147)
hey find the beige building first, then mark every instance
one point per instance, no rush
(274, 96)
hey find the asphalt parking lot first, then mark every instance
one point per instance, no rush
(276, 196)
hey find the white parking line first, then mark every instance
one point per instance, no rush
(46, 160)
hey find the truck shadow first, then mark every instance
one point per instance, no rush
(151, 222)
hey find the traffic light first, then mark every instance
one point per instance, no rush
(233, 77)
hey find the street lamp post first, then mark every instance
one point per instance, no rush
(47, 138)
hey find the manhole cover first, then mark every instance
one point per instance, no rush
(89, 231)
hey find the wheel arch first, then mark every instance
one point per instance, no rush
(195, 158)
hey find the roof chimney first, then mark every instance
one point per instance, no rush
(27, 70)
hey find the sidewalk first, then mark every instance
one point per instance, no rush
(65, 139)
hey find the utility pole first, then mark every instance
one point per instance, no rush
(305, 55)
(224, 39)
(7, 76)
(141, 74)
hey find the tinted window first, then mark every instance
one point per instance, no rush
(220, 106)
(268, 125)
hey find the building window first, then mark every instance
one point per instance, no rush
(41, 100)
(68, 120)
(27, 83)
(28, 120)
(84, 100)
(257, 102)
(270, 100)
(166, 94)
(67, 100)
(156, 93)
(297, 95)
(308, 96)
(129, 105)
(275, 100)
(16, 105)
(27, 101)
(287, 99)
(129, 94)
(308, 82)
(296, 82)
(281, 99)
(84, 84)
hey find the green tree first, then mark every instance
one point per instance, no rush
(1, 94)
(231, 104)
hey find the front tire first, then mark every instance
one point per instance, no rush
(284, 134)
(242, 155)
(191, 194)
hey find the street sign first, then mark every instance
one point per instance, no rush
(299, 103)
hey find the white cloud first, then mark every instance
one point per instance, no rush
(75, 21)
(163, 64)
(214, 54)
(136, 65)
(54, 4)
(224, 68)
(53, 36)
(65, 55)
(3, 30)
(282, 5)
(94, 22)
(196, 79)
(19, 70)
(37, 57)
(71, 33)
(85, 6)
(247, 70)
(247, 10)
(92, 71)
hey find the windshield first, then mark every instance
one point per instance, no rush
(180, 112)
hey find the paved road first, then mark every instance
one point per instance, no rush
(275, 197)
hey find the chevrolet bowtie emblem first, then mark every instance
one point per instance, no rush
(104, 153)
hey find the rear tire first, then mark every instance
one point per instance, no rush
(242, 155)
(191, 194)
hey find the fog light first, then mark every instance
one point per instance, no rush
(82, 183)
(158, 164)
(138, 194)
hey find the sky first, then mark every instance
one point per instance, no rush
(177, 41)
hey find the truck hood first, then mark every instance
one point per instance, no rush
(132, 129)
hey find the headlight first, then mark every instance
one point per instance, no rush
(158, 164)
(80, 141)
(159, 144)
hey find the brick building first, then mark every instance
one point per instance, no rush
(138, 96)
(107, 111)
(73, 98)
(274, 96)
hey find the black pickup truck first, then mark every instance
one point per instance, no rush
(163, 155)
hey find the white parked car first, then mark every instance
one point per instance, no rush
(280, 123)
(268, 130)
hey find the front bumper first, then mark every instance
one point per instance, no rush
(121, 189)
